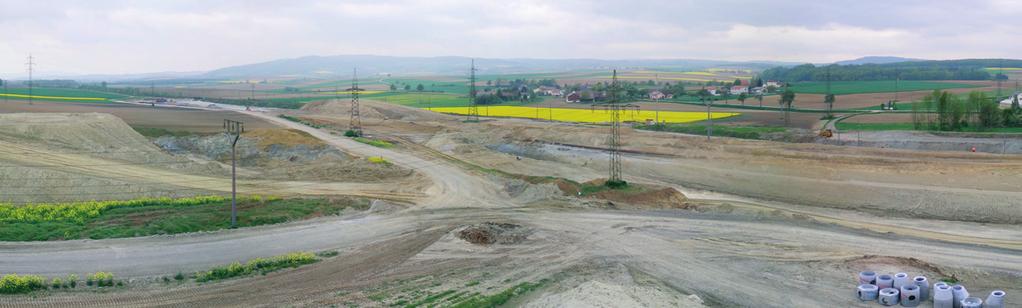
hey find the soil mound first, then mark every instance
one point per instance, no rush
(488, 233)
(641, 195)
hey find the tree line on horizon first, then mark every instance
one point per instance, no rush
(914, 70)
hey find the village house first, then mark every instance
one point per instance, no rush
(739, 89)
(773, 83)
(657, 95)
(573, 97)
(712, 90)
(548, 91)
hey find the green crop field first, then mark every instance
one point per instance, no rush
(142, 217)
(429, 99)
(448, 86)
(858, 87)
(843, 126)
(421, 100)
(61, 94)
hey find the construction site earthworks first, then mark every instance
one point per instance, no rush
(127, 204)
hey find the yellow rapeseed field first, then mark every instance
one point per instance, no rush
(585, 115)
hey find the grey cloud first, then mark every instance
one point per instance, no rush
(120, 36)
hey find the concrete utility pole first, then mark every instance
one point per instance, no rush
(355, 124)
(233, 130)
(709, 118)
(1000, 72)
(473, 109)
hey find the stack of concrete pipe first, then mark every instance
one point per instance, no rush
(898, 289)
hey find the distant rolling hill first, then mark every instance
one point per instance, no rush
(876, 60)
(333, 66)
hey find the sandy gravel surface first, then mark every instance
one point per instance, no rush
(770, 225)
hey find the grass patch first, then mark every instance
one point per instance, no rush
(61, 95)
(299, 120)
(881, 86)
(421, 99)
(741, 132)
(374, 142)
(430, 299)
(156, 132)
(501, 298)
(846, 126)
(64, 222)
(257, 265)
(593, 188)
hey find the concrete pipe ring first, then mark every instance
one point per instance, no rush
(867, 292)
(888, 297)
(972, 302)
(910, 295)
(885, 281)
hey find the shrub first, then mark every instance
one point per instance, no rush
(617, 184)
(351, 133)
(180, 276)
(377, 160)
(101, 279)
(56, 283)
(72, 280)
(14, 283)
(299, 120)
(327, 253)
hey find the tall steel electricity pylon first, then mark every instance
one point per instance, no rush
(31, 65)
(473, 109)
(614, 143)
(355, 124)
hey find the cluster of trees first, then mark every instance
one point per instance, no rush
(945, 111)
(408, 87)
(531, 83)
(921, 70)
(513, 90)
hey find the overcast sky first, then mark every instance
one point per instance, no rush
(110, 36)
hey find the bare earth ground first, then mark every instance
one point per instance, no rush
(205, 121)
(770, 224)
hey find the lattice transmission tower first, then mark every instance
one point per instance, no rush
(31, 65)
(473, 109)
(355, 125)
(615, 107)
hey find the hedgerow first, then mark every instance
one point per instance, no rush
(79, 212)
(260, 265)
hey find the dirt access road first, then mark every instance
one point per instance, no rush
(728, 253)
